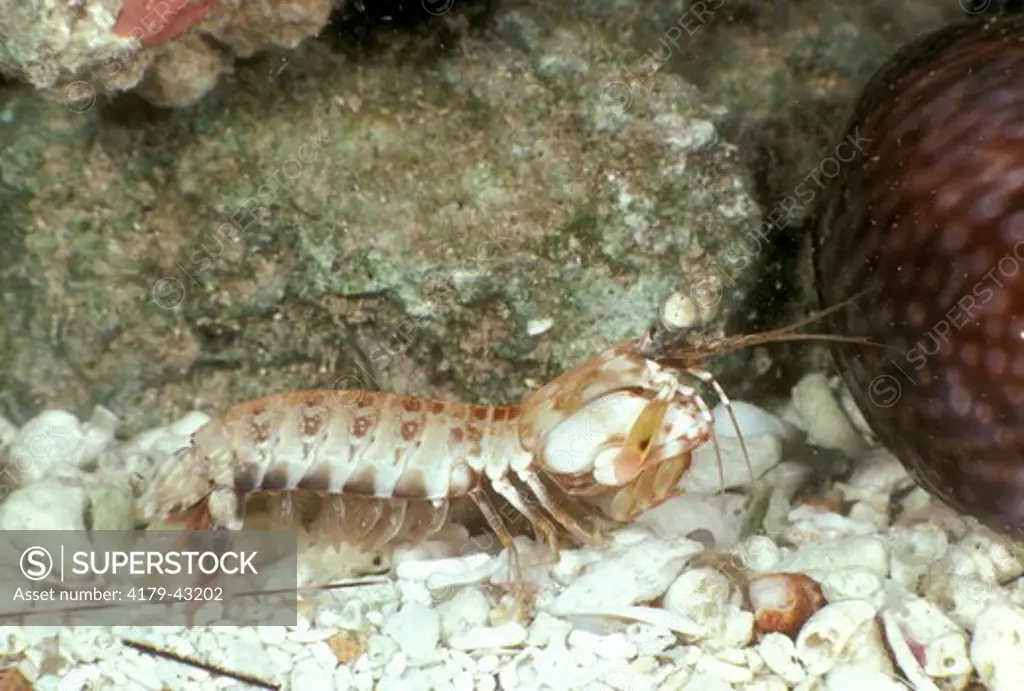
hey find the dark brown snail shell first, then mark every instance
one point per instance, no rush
(928, 219)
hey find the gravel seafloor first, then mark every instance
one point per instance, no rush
(704, 593)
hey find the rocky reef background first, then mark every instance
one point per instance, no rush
(457, 199)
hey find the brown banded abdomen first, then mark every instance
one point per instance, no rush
(929, 220)
(360, 442)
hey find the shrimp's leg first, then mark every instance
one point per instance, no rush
(545, 530)
(222, 539)
(590, 538)
(330, 520)
(709, 379)
(520, 590)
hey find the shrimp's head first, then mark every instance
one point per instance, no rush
(180, 488)
(618, 431)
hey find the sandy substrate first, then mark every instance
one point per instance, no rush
(869, 584)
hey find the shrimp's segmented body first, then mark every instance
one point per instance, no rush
(616, 432)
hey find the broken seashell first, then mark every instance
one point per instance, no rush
(830, 635)
(779, 654)
(997, 646)
(655, 616)
(783, 602)
(853, 677)
(854, 583)
(926, 644)
(637, 572)
(869, 551)
(811, 524)
(913, 551)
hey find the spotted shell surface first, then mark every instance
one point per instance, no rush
(927, 226)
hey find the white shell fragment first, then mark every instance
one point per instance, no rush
(868, 552)
(707, 598)
(416, 629)
(848, 677)
(638, 572)
(779, 654)
(45, 505)
(824, 419)
(727, 467)
(764, 435)
(997, 649)
(505, 636)
(679, 311)
(913, 551)
(50, 441)
(721, 516)
(536, 327)
(926, 644)
(854, 583)
(831, 635)
(466, 609)
(446, 573)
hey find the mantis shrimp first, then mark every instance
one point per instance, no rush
(617, 432)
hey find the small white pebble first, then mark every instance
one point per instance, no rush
(548, 630)
(393, 684)
(779, 655)
(825, 638)
(380, 650)
(826, 422)
(466, 609)
(272, 635)
(463, 681)
(848, 677)
(488, 664)
(637, 572)
(310, 674)
(536, 327)
(699, 594)
(187, 425)
(679, 311)
(854, 583)
(363, 682)
(415, 591)
(997, 649)
(758, 553)
(707, 682)
(611, 647)
(50, 440)
(650, 640)
(396, 666)
(461, 660)
(44, 505)
(734, 656)
(446, 573)
(482, 637)
(734, 674)
(869, 552)
(416, 628)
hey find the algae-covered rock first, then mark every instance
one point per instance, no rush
(462, 223)
(173, 51)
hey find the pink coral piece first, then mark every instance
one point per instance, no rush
(155, 22)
